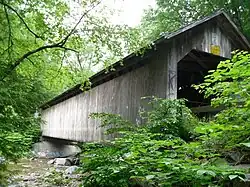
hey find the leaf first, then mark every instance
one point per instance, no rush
(246, 144)
(116, 171)
(149, 177)
(202, 172)
(231, 177)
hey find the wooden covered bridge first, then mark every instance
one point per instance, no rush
(176, 61)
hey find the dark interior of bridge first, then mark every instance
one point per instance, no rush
(191, 70)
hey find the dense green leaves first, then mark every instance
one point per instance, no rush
(228, 86)
(45, 48)
(170, 118)
(172, 14)
(152, 156)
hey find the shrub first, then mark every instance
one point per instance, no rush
(228, 86)
(170, 117)
(154, 154)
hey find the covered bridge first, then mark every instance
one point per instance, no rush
(176, 61)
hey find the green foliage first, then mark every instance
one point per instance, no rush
(32, 73)
(173, 14)
(3, 174)
(155, 154)
(169, 117)
(17, 133)
(18, 126)
(113, 122)
(228, 86)
(229, 82)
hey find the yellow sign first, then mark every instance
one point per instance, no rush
(215, 49)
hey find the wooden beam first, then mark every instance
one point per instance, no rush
(197, 59)
(206, 109)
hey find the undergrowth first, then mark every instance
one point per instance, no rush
(154, 154)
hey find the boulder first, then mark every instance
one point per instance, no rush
(62, 162)
(51, 161)
(74, 160)
(31, 177)
(14, 185)
(71, 170)
(55, 149)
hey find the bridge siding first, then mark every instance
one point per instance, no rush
(121, 95)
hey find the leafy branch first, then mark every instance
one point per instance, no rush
(10, 42)
(21, 18)
(60, 44)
